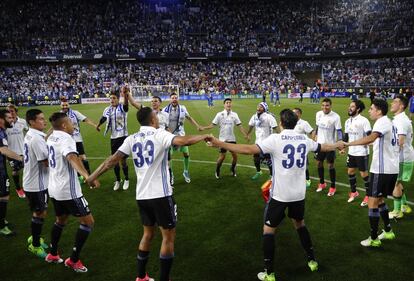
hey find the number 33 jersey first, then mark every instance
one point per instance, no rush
(149, 148)
(288, 151)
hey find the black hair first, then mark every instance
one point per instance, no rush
(57, 119)
(31, 114)
(3, 113)
(226, 99)
(288, 119)
(382, 105)
(327, 100)
(173, 94)
(144, 116)
(158, 98)
(298, 109)
(403, 99)
(114, 93)
(359, 105)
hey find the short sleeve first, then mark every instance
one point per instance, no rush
(216, 119)
(312, 145)
(69, 146)
(268, 144)
(251, 121)
(338, 125)
(380, 127)
(40, 149)
(346, 131)
(186, 114)
(272, 121)
(308, 128)
(237, 120)
(165, 138)
(126, 146)
(80, 116)
(367, 126)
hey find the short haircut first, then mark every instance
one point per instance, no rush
(403, 99)
(298, 109)
(288, 119)
(226, 99)
(3, 113)
(57, 119)
(31, 114)
(10, 105)
(144, 116)
(63, 99)
(173, 94)
(382, 105)
(158, 98)
(327, 100)
(114, 93)
(359, 105)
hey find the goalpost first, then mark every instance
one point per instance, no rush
(146, 92)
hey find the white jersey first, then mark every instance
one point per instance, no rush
(404, 127)
(385, 152)
(303, 127)
(149, 148)
(163, 119)
(15, 136)
(76, 117)
(263, 124)
(116, 121)
(35, 174)
(226, 120)
(288, 151)
(357, 128)
(176, 118)
(328, 125)
(63, 180)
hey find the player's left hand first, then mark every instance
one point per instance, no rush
(95, 184)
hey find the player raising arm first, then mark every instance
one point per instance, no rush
(149, 148)
(288, 150)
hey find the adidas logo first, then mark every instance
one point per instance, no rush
(267, 222)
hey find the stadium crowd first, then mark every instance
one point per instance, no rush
(97, 26)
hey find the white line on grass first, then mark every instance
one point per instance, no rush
(251, 167)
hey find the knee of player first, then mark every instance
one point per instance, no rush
(298, 224)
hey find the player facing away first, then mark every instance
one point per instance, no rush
(117, 116)
(226, 120)
(328, 125)
(5, 122)
(65, 190)
(383, 171)
(402, 124)
(149, 148)
(288, 150)
(15, 137)
(303, 127)
(264, 124)
(36, 178)
(357, 127)
(177, 114)
(76, 118)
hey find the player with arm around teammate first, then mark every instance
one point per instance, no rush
(65, 190)
(36, 178)
(226, 120)
(288, 150)
(149, 148)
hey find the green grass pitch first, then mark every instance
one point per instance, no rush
(219, 221)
